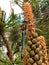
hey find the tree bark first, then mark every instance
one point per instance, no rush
(6, 41)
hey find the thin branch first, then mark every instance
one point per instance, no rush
(6, 41)
(19, 5)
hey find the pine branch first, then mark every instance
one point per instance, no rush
(2, 61)
(6, 41)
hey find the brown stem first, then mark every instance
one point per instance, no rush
(6, 41)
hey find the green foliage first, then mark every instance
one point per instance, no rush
(44, 27)
(45, 4)
(12, 25)
(18, 60)
(4, 60)
(15, 33)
